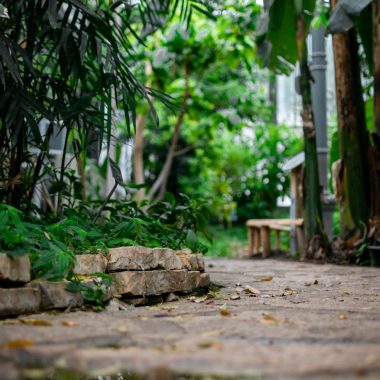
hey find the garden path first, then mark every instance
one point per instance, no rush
(272, 319)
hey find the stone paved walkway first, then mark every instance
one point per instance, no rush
(308, 322)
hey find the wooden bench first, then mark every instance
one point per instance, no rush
(259, 234)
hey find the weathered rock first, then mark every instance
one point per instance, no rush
(55, 296)
(201, 262)
(149, 283)
(189, 260)
(17, 301)
(15, 269)
(204, 281)
(89, 264)
(141, 258)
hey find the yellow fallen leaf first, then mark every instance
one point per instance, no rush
(269, 319)
(342, 317)
(18, 343)
(205, 344)
(224, 311)
(70, 323)
(35, 322)
(251, 290)
(264, 278)
(346, 291)
(121, 329)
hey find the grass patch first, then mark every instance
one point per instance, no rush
(227, 242)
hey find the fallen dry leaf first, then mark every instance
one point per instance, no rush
(289, 291)
(35, 322)
(18, 343)
(235, 297)
(251, 290)
(205, 344)
(264, 278)
(345, 291)
(224, 311)
(70, 323)
(342, 317)
(121, 329)
(269, 319)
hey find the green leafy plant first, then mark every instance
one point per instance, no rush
(94, 290)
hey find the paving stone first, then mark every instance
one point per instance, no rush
(141, 258)
(89, 264)
(149, 283)
(15, 269)
(55, 296)
(15, 301)
(9, 372)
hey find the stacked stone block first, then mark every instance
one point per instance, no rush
(138, 272)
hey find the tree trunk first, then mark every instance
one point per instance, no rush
(375, 148)
(161, 182)
(353, 136)
(138, 159)
(316, 240)
(138, 153)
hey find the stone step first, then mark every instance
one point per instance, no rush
(89, 264)
(137, 258)
(157, 282)
(15, 301)
(55, 296)
(15, 269)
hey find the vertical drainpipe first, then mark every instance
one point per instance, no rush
(319, 100)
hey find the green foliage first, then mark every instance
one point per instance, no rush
(52, 245)
(94, 290)
(228, 242)
(277, 35)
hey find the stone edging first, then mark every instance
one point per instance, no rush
(138, 271)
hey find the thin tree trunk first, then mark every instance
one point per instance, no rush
(138, 153)
(316, 239)
(353, 136)
(161, 182)
(376, 54)
(375, 146)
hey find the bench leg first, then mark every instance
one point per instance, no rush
(265, 239)
(251, 241)
(256, 247)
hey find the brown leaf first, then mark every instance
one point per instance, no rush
(70, 323)
(251, 290)
(18, 343)
(35, 322)
(264, 278)
(289, 291)
(342, 317)
(224, 311)
(269, 319)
